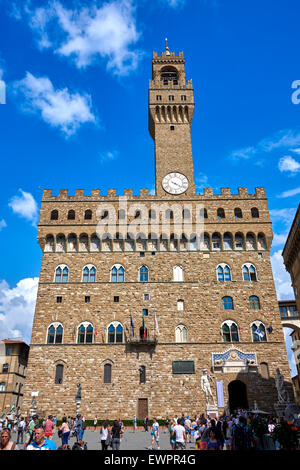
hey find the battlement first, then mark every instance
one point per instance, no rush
(208, 193)
(169, 56)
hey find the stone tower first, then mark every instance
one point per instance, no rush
(171, 108)
(137, 314)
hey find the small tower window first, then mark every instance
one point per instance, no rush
(158, 97)
(172, 128)
(183, 97)
(171, 97)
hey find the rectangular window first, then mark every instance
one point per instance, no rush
(142, 254)
(158, 97)
(183, 97)
(87, 299)
(8, 351)
(145, 312)
(59, 300)
(116, 298)
(146, 297)
(172, 128)
(183, 367)
(171, 97)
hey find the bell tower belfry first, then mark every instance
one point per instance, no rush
(171, 108)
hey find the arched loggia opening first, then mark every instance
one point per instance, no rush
(237, 392)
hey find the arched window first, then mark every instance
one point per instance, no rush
(60, 243)
(117, 273)
(104, 214)
(181, 334)
(249, 272)
(59, 374)
(95, 243)
(71, 215)
(85, 333)
(144, 271)
(106, 243)
(107, 373)
(216, 242)
(2, 386)
(230, 331)
(54, 215)
(180, 305)
(258, 331)
(186, 214)
(178, 274)
(137, 214)
(227, 303)
(239, 241)
(163, 243)
(254, 302)
(223, 272)
(142, 371)
(221, 213)
(49, 245)
(261, 242)
(203, 213)
(255, 212)
(250, 241)
(169, 214)
(204, 242)
(84, 243)
(152, 242)
(115, 333)
(62, 273)
(72, 243)
(88, 215)
(173, 243)
(89, 273)
(193, 242)
(238, 213)
(118, 242)
(152, 214)
(5, 368)
(55, 333)
(183, 243)
(227, 241)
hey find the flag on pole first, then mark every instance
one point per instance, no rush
(132, 325)
(260, 333)
(156, 323)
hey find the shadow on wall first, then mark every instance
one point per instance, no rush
(251, 387)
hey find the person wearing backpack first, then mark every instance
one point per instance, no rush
(240, 435)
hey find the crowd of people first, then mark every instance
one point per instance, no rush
(239, 431)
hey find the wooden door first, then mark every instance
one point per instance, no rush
(142, 408)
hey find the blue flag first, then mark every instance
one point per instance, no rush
(132, 325)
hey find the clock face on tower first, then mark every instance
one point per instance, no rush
(175, 183)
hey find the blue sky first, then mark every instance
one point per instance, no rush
(76, 76)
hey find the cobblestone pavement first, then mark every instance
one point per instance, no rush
(140, 440)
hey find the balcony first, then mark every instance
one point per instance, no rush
(139, 340)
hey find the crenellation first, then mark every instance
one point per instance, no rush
(243, 191)
(95, 193)
(63, 193)
(225, 191)
(79, 193)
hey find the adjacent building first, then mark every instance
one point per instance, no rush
(13, 364)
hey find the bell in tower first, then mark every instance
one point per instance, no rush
(171, 108)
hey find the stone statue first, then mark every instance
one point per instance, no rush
(283, 396)
(205, 385)
(33, 403)
(78, 396)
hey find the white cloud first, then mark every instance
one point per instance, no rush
(175, 3)
(2, 224)
(285, 216)
(17, 308)
(279, 239)
(109, 155)
(59, 108)
(289, 164)
(284, 139)
(25, 206)
(89, 32)
(281, 277)
(289, 193)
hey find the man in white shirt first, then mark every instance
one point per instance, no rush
(21, 428)
(180, 434)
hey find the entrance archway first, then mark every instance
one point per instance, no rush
(237, 392)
